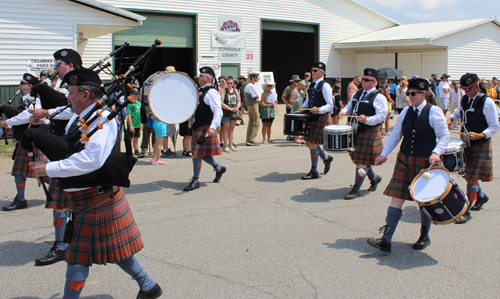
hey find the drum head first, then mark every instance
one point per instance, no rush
(338, 129)
(454, 145)
(173, 97)
(427, 190)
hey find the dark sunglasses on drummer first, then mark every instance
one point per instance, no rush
(58, 63)
(469, 89)
(315, 70)
(367, 80)
(413, 93)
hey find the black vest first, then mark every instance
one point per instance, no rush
(419, 139)
(365, 107)
(475, 120)
(203, 115)
(315, 94)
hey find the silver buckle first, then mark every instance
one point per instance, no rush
(100, 190)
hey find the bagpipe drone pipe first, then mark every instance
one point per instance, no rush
(116, 169)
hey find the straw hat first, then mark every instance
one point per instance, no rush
(170, 69)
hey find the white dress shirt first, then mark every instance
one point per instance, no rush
(23, 117)
(437, 121)
(380, 105)
(93, 156)
(212, 99)
(490, 113)
(327, 95)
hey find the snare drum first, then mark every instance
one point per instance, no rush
(453, 157)
(338, 138)
(439, 196)
(296, 124)
(170, 97)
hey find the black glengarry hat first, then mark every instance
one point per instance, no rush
(29, 78)
(207, 70)
(69, 55)
(82, 77)
(418, 84)
(370, 72)
(468, 79)
(320, 65)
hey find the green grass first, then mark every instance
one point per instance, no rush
(6, 150)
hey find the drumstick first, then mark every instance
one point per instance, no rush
(456, 132)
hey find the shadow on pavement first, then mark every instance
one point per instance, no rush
(319, 195)
(31, 203)
(18, 253)
(58, 295)
(403, 257)
(411, 214)
(158, 185)
(276, 177)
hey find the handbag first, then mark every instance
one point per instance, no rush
(236, 115)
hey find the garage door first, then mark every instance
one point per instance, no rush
(374, 61)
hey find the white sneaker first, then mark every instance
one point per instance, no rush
(265, 142)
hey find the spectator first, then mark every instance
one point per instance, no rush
(307, 77)
(492, 93)
(338, 105)
(231, 103)
(134, 121)
(134, 82)
(241, 88)
(444, 94)
(299, 95)
(222, 83)
(172, 133)
(432, 89)
(456, 94)
(353, 87)
(393, 87)
(160, 129)
(267, 110)
(287, 93)
(147, 133)
(494, 84)
(401, 96)
(187, 134)
(385, 88)
(252, 101)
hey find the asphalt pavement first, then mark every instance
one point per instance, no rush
(261, 232)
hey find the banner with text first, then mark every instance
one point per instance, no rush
(228, 39)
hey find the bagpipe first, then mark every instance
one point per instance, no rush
(116, 169)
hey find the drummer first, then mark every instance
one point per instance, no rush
(418, 124)
(481, 122)
(369, 107)
(319, 101)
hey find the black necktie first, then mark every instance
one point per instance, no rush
(312, 85)
(414, 118)
(363, 95)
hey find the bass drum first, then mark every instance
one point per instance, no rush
(170, 97)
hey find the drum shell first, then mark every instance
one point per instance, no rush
(180, 103)
(338, 138)
(296, 124)
(453, 158)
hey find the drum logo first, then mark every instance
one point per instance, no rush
(439, 211)
(230, 26)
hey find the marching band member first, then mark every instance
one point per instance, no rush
(208, 117)
(480, 121)
(319, 100)
(369, 106)
(418, 125)
(19, 123)
(104, 229)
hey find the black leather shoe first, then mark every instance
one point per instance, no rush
(192, 185)
(218, 174)
(155, 292)
(352, 194)
(328, 163)
(424, 240)
(465, 218)
(479, 203)
(16, 205)
(380, 244)
(374, 183)
(55, 255)
(311, 175)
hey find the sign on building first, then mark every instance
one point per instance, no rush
(35, 66)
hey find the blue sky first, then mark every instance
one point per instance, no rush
(418, 11)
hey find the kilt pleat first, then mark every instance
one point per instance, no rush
(316, 130)
(21, 165)
(479, 162)
(367, 146)
(59, 199)
(211, 147)
(104, 234)
(405, 170)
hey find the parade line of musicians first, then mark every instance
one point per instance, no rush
(97, 239)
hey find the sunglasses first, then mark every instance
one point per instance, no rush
(367, 80)
(58, 63)
(222, 81)
(468, 89)
(269, 85)
(229, 82)
(413, 93)
(315, 70)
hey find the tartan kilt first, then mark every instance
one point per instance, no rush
(316, 130)
(211, 147)
(59, 198)
(405, 170)
(21, 161)
(479, 162)
(367, 146)
(104, 234)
